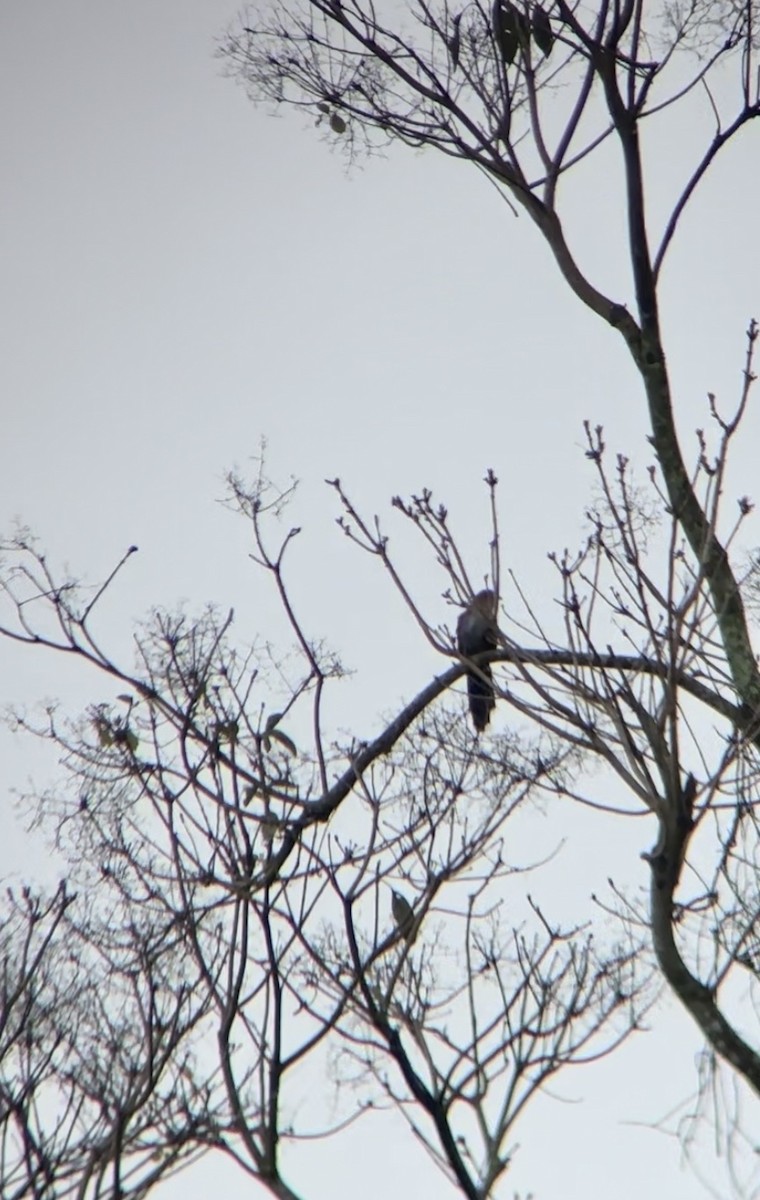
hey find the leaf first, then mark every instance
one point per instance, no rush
(506, 28)
(542, 31)
(272, 720)
(455, 43)
(403, 915)
(269, 829)
(337, 124)
(505, 124)
(104, 731)
(323, 106)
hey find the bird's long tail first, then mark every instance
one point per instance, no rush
(482, 699)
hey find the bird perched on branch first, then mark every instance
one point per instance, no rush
(477, 632)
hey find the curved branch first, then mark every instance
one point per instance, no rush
(717, 144)
(699, 1000)
(649, 356)
(322, 809)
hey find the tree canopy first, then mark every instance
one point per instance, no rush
(252, 893)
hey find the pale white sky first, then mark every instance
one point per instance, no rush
(182, 274)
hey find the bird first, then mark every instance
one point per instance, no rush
(403, 915)
(477, 632)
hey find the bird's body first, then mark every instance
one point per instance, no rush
(477, 632)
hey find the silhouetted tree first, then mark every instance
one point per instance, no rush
(241, 864)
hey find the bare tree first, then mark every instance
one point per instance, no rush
(361, 906)
(481, 84)
(202, 830)
(100, 1092)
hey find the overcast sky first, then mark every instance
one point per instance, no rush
(183, 274)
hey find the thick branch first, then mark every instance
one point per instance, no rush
(700, 1001)
(649, 356)
(323, 808)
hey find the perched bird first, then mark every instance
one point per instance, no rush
(477, 632)
(403, 915)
